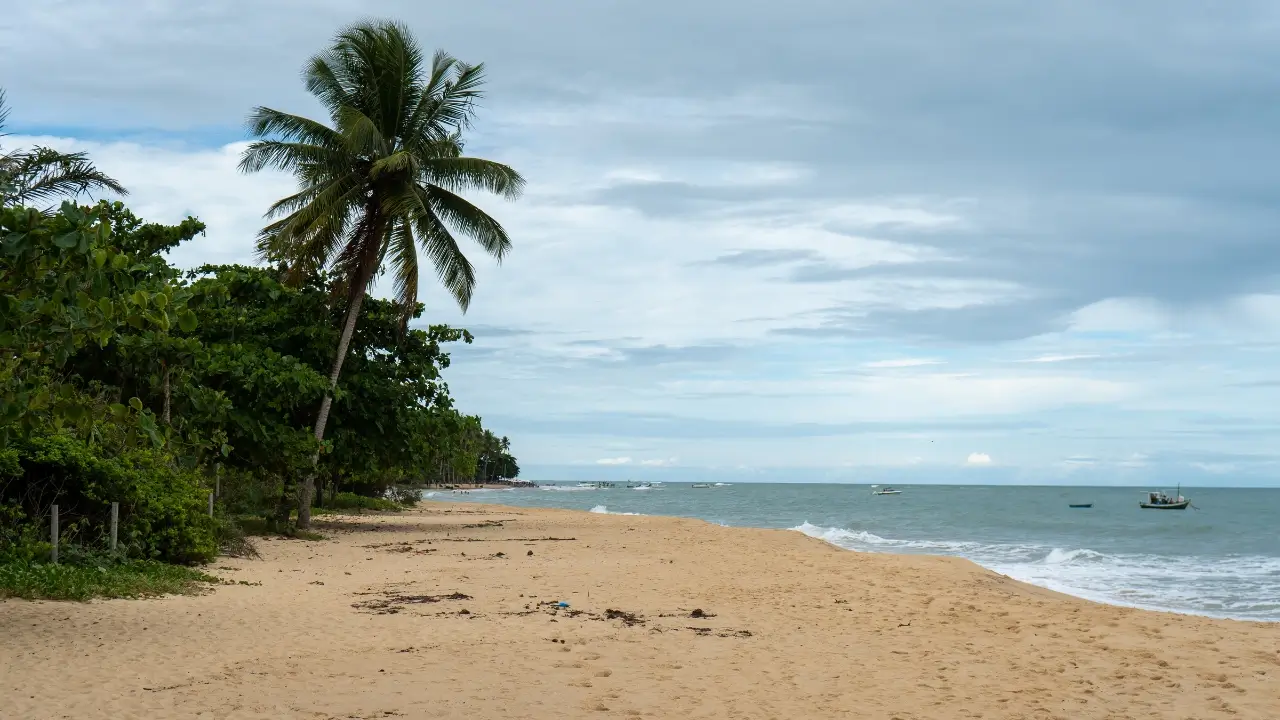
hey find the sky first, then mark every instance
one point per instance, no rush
(860, 241)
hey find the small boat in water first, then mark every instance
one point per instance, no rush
(1081, 505)
(1161, 501)
(887, 491)
(699, 486)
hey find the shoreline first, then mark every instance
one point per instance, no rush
(1102, 596)
(441, 612)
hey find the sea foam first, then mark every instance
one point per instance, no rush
(1241, 587)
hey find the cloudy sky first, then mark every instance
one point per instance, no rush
(967, 241)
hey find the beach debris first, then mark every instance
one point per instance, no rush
(706, 631)
(905, 624)
(562, 604)
(700, 613)
(529, 554)
(390, 603)
(486, 523)
(627, 618)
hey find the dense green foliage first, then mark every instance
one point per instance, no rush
(126, 380)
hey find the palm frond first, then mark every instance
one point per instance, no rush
(468, 220)
(264, 122)
(361, 134)
(399, 162)
(448, 102)
(452, 267)
(312, 233)
(323, 81)
(282, 155)
(404, 254)
(42, 174)
(460, 174)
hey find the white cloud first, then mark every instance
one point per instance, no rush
(978, 459)
(1061, 358)
(1136, 460)
(660, 462)
(1215, 468)
(1121, 315)
(902, 363)
(614, 461)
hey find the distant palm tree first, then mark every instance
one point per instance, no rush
(382, 181)
(42, 174)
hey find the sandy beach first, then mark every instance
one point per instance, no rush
(451, 611)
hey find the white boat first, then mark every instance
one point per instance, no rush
(596, 485)
(1162, 501)
(887, 491)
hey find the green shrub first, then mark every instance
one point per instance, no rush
(249, 493)
(163, 509)
(351, 501)
(88, 575)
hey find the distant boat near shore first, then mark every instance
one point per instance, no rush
(887, 491)
(1081, 505)
(699, 486)
(1160, 501)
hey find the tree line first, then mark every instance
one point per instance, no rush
(125, 379)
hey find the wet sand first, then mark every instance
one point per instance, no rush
(452, 612)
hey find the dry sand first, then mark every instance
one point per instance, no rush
(361, 626)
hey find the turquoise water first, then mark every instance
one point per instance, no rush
(1222, 559)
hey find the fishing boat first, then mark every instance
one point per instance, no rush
(596, 485)
(1080, 505)
(1160, 501)
(887, 491)
(699, 486)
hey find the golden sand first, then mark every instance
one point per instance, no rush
(444, 613)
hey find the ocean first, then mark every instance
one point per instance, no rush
(1220, 558)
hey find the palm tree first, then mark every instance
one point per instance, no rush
(41, 174)
(380, 181)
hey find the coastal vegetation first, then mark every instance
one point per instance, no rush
(275, 388)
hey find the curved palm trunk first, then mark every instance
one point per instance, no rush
(308, 486)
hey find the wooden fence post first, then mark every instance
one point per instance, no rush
(53, 534)
(115, 524)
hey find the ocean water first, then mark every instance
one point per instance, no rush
(1221, 560)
